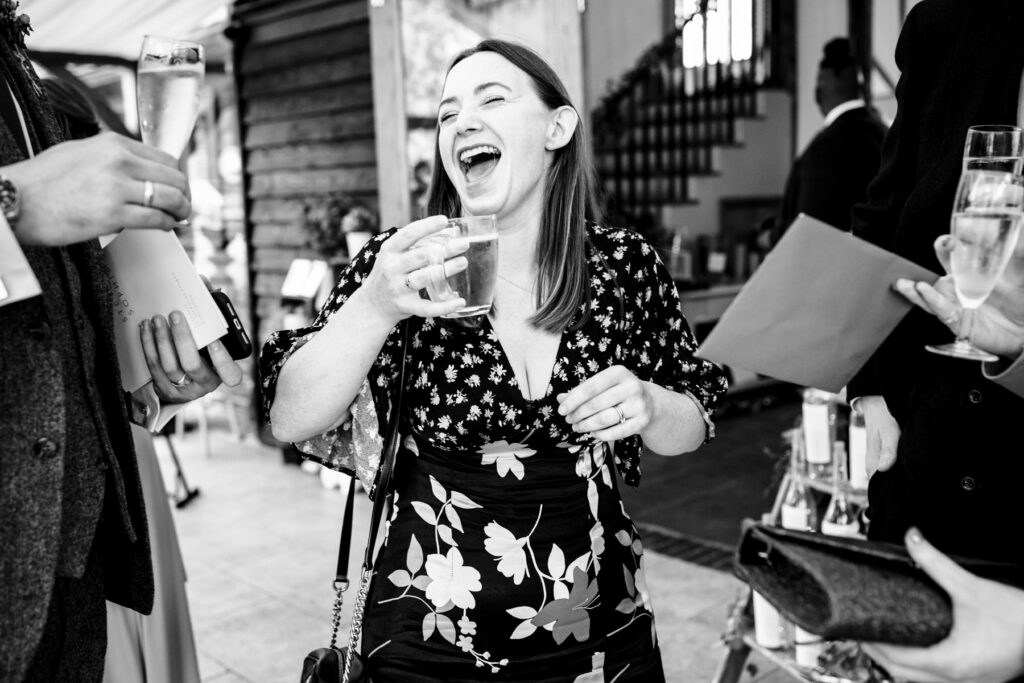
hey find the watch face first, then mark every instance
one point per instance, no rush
(9, 199)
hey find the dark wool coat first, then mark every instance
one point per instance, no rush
(959, 466)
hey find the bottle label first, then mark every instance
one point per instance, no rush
(846, 530)
(795, 518)
(858, 457)
(816, 433)
(769, 627)
(807, 647)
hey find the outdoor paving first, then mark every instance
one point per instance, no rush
(260, 543)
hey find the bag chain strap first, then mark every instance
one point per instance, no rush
(356, 630)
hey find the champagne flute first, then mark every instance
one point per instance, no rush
(993, 148)
(987, 215)
(170, 74)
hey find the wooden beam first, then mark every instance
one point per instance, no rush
(389, 114)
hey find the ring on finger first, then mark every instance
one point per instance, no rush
(183, 381)
(148, 192)
(408, 282)
(952, 318)
(622, 416)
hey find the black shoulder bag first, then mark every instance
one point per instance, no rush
(332, 664)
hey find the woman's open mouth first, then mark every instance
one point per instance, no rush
(478, 162)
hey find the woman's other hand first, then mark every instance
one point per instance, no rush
(403, 268)
(986, 644)
(611, 405)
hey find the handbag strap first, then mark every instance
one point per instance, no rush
(381, 485)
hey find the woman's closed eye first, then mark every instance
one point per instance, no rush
(446, 116)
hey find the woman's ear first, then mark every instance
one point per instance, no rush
(561, 127)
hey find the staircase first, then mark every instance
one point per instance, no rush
(667, 123)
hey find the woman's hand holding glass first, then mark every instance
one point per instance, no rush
(998, 324)
(611, 405)
(404, 267)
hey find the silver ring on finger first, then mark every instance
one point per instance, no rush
(952, 318)
(183, 381)
(408, 282)
(622, 416)
(148, 192)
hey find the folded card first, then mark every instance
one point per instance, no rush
(154, 276)
(815, 310)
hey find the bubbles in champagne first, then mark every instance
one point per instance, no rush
(168, 99)
(983, 244)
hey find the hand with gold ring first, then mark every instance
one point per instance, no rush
(181, 373)
(403, 267)
(82, 189)
(611, 405)
(997, 326)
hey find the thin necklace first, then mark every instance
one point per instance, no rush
(516, 285)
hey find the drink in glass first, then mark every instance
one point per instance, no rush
(993, 148)
(475, 284)
(985, 225)
(170, 74)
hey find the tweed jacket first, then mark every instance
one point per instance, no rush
(38, 429)
(958, 468)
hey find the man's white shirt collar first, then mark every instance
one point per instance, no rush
(841, 109)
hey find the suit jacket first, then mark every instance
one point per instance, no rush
(60, 389)
(959, 463)
(835, 169)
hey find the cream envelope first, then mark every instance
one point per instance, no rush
(815, 311)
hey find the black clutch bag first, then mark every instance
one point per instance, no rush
(852, 589)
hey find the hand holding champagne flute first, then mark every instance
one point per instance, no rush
(987, 215)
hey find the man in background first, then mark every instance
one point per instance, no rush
(835, 169)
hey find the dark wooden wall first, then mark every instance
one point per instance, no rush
(306, 103)
(303, 73)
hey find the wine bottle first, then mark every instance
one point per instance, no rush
(769, 626)
(798, 510)
(818, 425)
(840, 517)
(858, 452)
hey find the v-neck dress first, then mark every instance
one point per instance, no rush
(508, 554)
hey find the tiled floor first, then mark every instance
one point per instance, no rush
(259, 544)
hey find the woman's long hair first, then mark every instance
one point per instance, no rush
(569, 199)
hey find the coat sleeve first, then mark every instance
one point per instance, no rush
(876, 219)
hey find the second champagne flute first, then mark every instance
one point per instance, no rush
(170, 74)
(987, 214)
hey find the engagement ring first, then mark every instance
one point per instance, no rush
(622, 416)
(148, 190)
(184, 381)
(408, 283)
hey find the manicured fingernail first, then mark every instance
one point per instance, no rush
(914, 536)
(177, 318)
(899, 284)
(158, 321)
(144, 325)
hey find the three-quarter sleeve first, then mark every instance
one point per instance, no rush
(658, 345)
(338, 448)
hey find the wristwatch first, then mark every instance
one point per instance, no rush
(10, 200)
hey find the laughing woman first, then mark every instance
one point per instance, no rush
(508, 555)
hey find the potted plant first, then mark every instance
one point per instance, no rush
(338, 226)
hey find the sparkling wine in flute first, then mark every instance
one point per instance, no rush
(168, 104)
(998, 164)
(983, 244)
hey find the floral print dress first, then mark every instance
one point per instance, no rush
(508, 554)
